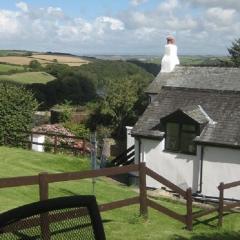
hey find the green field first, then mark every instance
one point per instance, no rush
(5, 68)
(123, 223)
(194, 60)
(29, 77)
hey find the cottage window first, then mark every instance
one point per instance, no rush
(179, 138)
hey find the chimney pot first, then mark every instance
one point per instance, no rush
(170, 58)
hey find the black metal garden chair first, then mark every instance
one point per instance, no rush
(65, 218)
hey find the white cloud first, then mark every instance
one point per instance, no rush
(9, 24)
(133, 30)
(168, 5)
(221, 16)
(114, 24)
(138, 2)
(234, 4)
(181, 24)
(22, 6)
(55, 12)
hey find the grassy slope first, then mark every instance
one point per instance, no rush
(119, 224)
(5, 68)
(29, 77)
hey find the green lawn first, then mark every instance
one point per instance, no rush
(5, 68)
(29, 77)
(123, 223)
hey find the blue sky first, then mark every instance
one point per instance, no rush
(119, 26)
(86, 8)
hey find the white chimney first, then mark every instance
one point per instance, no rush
(170, 58)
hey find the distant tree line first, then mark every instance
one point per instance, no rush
(152, 68)
(115, 90)
(85, 83)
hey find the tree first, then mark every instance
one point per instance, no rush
(234, 51)
(74, 88)
(35, 65)
(121, 104)
(17, 106)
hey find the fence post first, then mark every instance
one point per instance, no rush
(43, 194)
(55, 144)
(221, 204)
(143, 190)
(189, 217)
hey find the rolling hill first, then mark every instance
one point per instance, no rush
(29, 77)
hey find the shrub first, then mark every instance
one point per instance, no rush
(79, 130)
(35, 65)
(61, 113)
(17, 106)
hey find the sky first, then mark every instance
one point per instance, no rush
(134, 27)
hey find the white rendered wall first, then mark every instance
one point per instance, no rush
(220, 165)
(181, 169)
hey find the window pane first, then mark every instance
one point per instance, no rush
(187, 144)
(187, 127)
(172, 139)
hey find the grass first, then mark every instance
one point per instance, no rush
(29, 77)
(5, 68)
(123, 223)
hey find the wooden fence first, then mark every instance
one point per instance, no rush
(44, 179)
(227, 206)
(222, 206)
(56, 144)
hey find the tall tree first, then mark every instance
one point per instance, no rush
(234, 51)
(122, 102)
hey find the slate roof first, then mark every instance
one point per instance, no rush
(214, 78)
(223, 107)
(196, 112)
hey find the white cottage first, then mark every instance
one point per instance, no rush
(190, 132)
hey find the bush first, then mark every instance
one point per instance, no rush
(17, 106)
(35, 65)
(61, 113)
(79, 130)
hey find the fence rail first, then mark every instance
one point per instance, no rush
(225, 207)
(165, 182)
(222, 206)
(204, 212)
(170, 213)
(44, 179)
(56, 143)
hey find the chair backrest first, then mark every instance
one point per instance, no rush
(70, 218)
